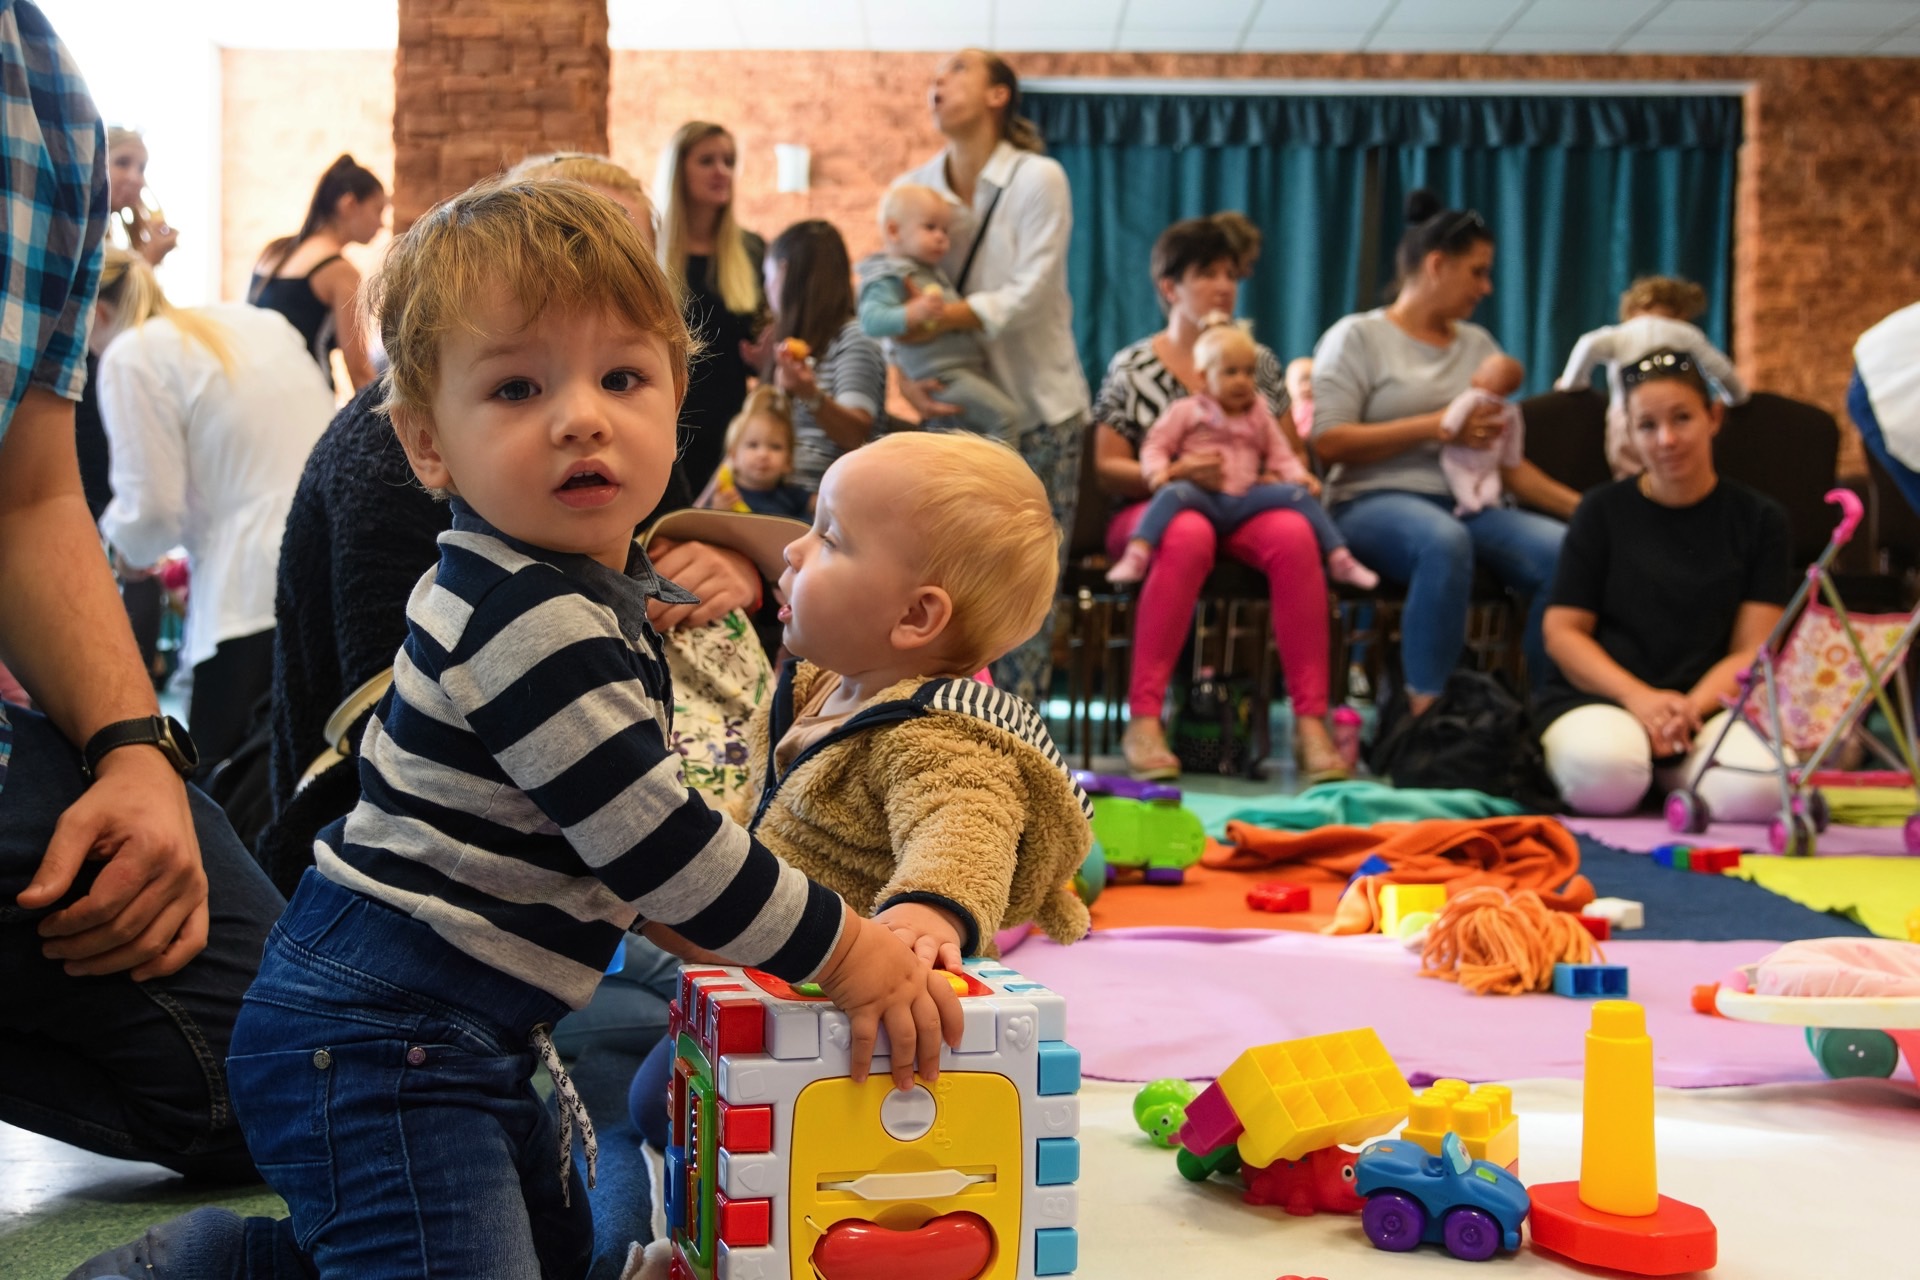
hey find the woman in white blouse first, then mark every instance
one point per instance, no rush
(211, 413)
(1013, 200)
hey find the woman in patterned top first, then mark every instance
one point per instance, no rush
(1196, 270)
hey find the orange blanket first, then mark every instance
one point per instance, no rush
(1525, 852)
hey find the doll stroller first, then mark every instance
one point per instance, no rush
(1810, 688)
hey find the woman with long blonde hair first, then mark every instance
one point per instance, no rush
(135, 224)
(210, 413)
(719, 265)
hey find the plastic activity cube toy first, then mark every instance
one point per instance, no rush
(779, 1167)
(1281, 1101)
(1590, 981)
(1482, 1116)
(1142, 826)
(1398, 901)
(1473, 1207)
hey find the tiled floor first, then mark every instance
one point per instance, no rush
(60, 1205)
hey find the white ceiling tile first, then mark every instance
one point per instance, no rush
(1726, 18)
(1318, 15)
(1187, 39)
(821, 24)
(1445, 15)
(1062, 14)
(1391, 39)
(1554, 16)
(1904, 45)
(1046, 39)
(663, 24)
(1556, 42)
(933, 13)
(1181, 13)
(1304, 41)
(1804, 45)
(1644, 41)
(1846, 19)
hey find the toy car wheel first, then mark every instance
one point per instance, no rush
(1794, 837)
(1910, 834)
(1471, 1234)
(1686, 812)
(1845, 1055)
(1393, 1221)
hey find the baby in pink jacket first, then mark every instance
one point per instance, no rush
(1259, 470)
(1474, 474)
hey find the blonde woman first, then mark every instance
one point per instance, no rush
(305, 278)
(134, 225)
(210, 412)
(719, 265)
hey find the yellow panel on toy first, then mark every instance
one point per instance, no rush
(1482, 1116)
(1301, 1095)
(1398, 901)
(779, 1167)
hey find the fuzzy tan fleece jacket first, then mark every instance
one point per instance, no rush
(947, 792)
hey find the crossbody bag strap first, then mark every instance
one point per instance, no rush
(979, 236)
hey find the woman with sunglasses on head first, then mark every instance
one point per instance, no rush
(1383, 383)
(1668, 583)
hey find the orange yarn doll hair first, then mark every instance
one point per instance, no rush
(1495, 943)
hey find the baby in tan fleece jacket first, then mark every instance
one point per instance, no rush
(933, 801)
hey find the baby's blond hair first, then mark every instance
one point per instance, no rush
(903, 198)
(1681, 299)
(1219, 341)
(546, 244)
(986, 535)
(764, 401)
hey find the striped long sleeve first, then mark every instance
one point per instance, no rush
(520, 792)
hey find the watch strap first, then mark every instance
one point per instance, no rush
(156, 731)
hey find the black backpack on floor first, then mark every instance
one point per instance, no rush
(1475, 736)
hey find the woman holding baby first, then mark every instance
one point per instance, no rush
(1392, 388)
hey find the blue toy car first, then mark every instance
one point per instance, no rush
(1473, 1207)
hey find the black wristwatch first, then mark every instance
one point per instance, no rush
(163, 732)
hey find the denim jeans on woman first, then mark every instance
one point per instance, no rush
(385, 1084)
(1415, 539)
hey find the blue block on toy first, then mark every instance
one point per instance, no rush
(1057, 1162)
(1373, 866)
(1056, 1251)
(1590, 981)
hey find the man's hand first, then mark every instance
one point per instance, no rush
(876, 980)
(147, 909)
(724, 580)
(920, 392)
(931, 933)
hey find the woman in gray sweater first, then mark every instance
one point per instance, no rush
(1383, 381)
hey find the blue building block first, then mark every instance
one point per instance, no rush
(1373, 866)
(1059, 1068)
(1590, 981)
(1674, 856)
(1056, 1251)
(1057, 1162)
(676, 1180)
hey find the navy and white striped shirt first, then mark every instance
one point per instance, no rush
(519, 793)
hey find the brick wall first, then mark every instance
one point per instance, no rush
(1827, 180)
(481, 83)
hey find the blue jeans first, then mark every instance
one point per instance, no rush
(129, 1069)
(1415, 539)
(1860, 409)
(1227, 512)
(385, 1084)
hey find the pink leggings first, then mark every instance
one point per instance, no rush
(1279, 544)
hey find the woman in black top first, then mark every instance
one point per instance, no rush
(305, 278)
(703, 248)
(1668, 584)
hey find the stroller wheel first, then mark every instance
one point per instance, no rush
(1848, 1054)
(1814, 805)
(1686, 812)
(1795, 838)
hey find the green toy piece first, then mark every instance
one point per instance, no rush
(1159, 840)
(1160, 1108)
(1223, 1160)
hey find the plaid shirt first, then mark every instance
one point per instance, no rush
(53, 214)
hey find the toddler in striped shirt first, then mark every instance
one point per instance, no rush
(522, 805)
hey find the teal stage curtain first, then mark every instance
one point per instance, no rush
(1583, 193)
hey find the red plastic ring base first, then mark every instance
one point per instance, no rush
(1675, 1238)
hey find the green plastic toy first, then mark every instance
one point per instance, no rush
(1160, 1108)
